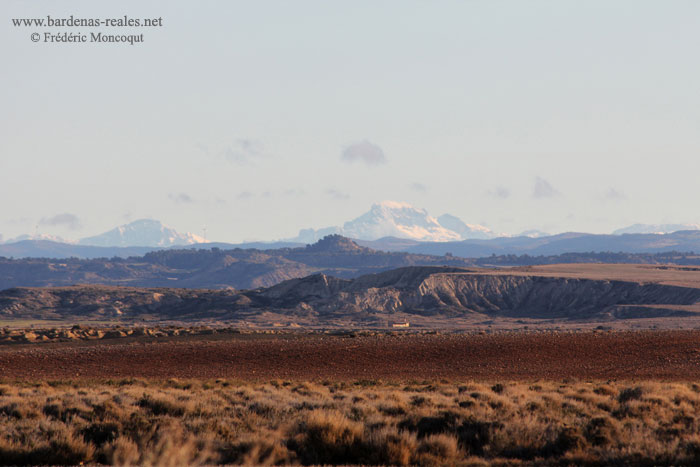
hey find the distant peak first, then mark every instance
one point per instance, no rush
(335, 243)
(142, 232)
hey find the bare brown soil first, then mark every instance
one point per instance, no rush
(659, 355)
(681, 276)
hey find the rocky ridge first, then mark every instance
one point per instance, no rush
(322, 300)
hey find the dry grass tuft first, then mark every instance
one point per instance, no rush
(140, 422)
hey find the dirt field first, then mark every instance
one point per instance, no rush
(660, 355)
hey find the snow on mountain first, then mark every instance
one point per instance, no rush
(143, 232)
(533, 233)
(466, 231)
(46, 237)
(401, 220)
(392, 219)
(655, 228)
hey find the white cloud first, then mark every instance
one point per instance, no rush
(335, 194)
(419, 187)
(180, 198)
(244, 151)
(614, 195)
(499, 192)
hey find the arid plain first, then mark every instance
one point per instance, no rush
(498, 386)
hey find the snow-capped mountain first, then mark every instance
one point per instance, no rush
(655, 228)
(466, 231)
(143, 232)
(392, 219)
(401, 220)
(533, 233)
(45, 237)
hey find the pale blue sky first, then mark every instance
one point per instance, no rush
(235, 115)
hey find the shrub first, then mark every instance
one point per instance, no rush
(328, 438)
(161, 406)
(629, 394)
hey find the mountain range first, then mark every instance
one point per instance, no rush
(427, 296)
(655, 228)
(394, 219)
(143, 232)
(214, 267)
(239, 268)
(389, 226)
(570, 242)
(139, 233)
(683, 241)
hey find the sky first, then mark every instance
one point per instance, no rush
(255, 119)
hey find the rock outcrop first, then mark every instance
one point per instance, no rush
(319, 299)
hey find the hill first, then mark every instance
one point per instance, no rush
(214, 267)
(424, 295)
(245, 268)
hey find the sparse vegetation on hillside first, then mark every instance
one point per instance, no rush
(420, 291)
(214, 268)
(137, 422)
(250, 268)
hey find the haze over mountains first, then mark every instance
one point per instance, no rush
(143, 232)
(139, 233)
(655, 228)
(401, 220)
(240, 268)
(214, 268)
(388, 226)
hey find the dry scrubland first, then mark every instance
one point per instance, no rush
(133, 421)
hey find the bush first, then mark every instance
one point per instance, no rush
(629, 394)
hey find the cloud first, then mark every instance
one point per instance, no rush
(202, 147)
(419, 187)
(499, 192)
(180, 198)
(244, 151)
(294, 192)
(543, 189)
(364, 151)
(613, 195)
(20, 220)
(70, 221)
(335, 194)
(290, 192)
